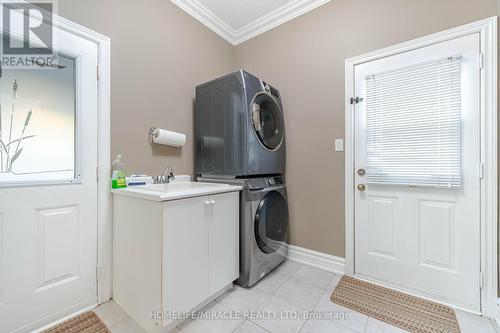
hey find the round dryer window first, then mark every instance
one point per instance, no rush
(267, 121)
(271, 222)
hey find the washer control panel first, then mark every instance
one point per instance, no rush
(275, 181)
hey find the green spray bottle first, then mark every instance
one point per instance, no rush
(118, 177)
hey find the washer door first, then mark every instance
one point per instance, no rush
(267, 121)
(271, 222)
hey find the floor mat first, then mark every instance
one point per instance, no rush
(87, 322)
(410, 313)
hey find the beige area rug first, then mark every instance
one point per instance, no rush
(410, 313)
(87, 322)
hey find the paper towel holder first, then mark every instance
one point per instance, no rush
(166, 137)
(152, 134)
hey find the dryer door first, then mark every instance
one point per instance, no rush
(271, 222)
(267, 120)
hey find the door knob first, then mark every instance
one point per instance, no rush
(361, 187)
(361, 172)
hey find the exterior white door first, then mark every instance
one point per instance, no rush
(417, 172)
(48, 192)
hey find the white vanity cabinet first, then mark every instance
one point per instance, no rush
(202, 252)
(174, 255)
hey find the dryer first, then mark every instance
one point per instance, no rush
(239, 127)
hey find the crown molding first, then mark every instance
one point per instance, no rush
(260, 25)
(205, 16)
(277, 17)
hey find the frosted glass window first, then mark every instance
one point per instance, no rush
(413, 125)
(38, 124)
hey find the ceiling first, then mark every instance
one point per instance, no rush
(240, 20)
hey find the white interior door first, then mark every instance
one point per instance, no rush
(417, 160)
(48, 194)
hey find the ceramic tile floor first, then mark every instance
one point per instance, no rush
(291, 287)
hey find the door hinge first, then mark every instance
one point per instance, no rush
(98, 76)
(481, 60)
(481, 280)
(355, 100)
(481, 170)
(97, 173)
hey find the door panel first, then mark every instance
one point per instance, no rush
(224, 241)
(383, 229)
(48, 192)
(437, 234)
(187, 284)
(57, 238)
(409, 233)
(2, 260)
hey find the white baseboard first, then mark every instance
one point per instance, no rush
(58, 318)
(496, 326)
(316, 259)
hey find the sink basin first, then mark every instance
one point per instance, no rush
(181, 186)
(175, 190)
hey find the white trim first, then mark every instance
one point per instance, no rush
(260, 25)
(104, 260)
(321, 260)
(277, 17)
(496, 324)
(205, 16)
(488, 31)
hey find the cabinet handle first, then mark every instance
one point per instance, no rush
(207, 202)
(212, 202)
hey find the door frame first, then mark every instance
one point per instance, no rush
(103, 167)
(487, 29)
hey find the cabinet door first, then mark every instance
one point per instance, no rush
(224, 240)
(185, 263)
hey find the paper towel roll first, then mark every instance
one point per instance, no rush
(164, 137)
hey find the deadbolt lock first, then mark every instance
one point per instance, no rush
(361, 187)
(361, 172)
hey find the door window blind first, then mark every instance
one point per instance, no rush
(413, 125)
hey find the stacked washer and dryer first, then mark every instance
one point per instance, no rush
(240, 139)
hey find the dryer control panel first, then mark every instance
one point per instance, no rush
(261, 183)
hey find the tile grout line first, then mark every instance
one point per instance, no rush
(340, 323)
(366, 324)
(288, 278)
(241, 324)
(118, 322)
(325, 290)
(281, 285)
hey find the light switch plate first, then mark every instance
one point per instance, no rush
(339, 144)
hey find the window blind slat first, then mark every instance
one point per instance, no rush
(413, 125)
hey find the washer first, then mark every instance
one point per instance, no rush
(263, 225)
(239, 127)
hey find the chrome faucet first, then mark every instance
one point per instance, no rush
(166, 176)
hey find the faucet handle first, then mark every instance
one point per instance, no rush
(167, 170)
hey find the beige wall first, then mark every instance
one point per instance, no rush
(304, 58)
(158, 55)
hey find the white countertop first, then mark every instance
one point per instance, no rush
(174, 191)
